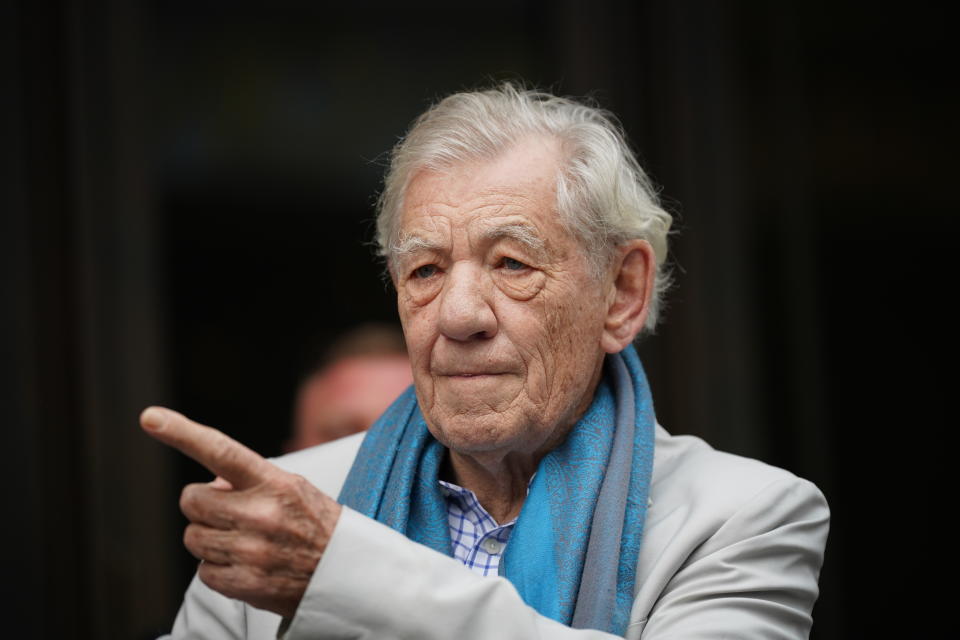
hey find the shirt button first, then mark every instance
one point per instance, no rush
(492, 546)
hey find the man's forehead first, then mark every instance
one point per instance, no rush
(480, 216)
(512, 196)
(435, 234)
(489, 212)
(434, 191)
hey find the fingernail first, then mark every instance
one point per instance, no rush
(153, 418)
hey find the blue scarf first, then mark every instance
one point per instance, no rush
(585, 508)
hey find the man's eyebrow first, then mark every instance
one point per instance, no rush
(409, 244)
(522, 233)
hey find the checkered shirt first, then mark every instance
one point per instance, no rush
(478, 541)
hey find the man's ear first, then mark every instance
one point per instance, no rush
(633, 270)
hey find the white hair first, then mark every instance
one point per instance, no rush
(603, 195)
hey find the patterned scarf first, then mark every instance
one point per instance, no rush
(585, 509)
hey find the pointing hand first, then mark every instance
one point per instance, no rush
(258, 530)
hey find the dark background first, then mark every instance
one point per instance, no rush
(188, 188)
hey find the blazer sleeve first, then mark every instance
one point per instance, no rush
(755, 576)
(373, 582)
(207, 615)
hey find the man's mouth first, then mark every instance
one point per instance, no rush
(478, 374)
(468, 374)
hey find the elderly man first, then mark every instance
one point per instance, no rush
(522, 488)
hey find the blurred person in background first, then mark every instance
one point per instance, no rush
(362, 372)
(523, 488)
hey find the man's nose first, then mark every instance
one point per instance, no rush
(465, 311)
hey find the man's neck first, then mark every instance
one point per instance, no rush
(500, 485)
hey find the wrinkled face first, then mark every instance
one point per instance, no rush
(502, 317)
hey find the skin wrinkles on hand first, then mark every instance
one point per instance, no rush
(259, 531)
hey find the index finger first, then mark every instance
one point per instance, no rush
(219, 453)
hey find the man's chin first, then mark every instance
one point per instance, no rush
(477, 395)
(473, 429)
(477, 382)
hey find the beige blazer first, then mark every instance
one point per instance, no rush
(732, 548)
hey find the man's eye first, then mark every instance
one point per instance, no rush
(511, 264)
(425, 271)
